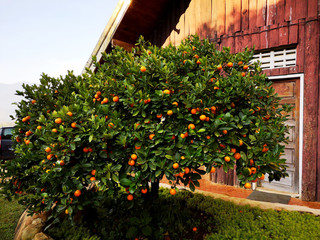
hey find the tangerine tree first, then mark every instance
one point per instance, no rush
(178, 112)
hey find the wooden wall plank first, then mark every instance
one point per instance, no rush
(283, 36)
(273, 37)
(293, 34)
(300, 47)
(233, 16)
(261, 12)
(180, 34)
(191, 17)
(220, 6)
(245, 15)
(264, 43)
(197, 15)
(313, 8)
(289, 10)
(310, 122)
(256, 40)
(252, 14)
(280, 7)
(301, 9)
(205, 27)
(271, 12)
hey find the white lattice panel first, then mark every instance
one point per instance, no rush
(276, 59)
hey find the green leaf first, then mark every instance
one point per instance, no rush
(192, 187)
(201, 130)
(125, 182)
(169, 157)
(115, 178)
(90, 138)
(132, 232)
(135, 113)
(73, 146)
(147, 231)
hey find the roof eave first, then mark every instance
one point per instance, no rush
(108, 33)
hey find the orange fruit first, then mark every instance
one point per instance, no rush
(93, 172)
(69, 114)
(48, 149)
(213, 169)
(232, 105)
(245, 67)
(49, 156)
(262, 177)
(213, 108)
(130, 197)
(243, 74)
(191, 126)
(233, 150)
(74, 125)
(208, 137)
(170, 112)
(240, 142)
(183, 157)
(182, 135)
(18, 139)
(77, 193)
(66, 211)
(33, 101)
(251, 162)
(219, 67)
(151, 136)
(85, 150)
(115, 99)
(134, 156)
(186, 170)
(143, 69)
(191, 141)
(237, 156)
(27, 142)
(194, 229)
(144, 190)
(175, 104)
(229, 64)
(207, 119)
(54, 130)
(111, 125)
(253, 170)
(224, 132)
(203, 117)
(137, 147)
(159, 115)
(175, 165)
(58, 120)
(61, 163)
(240, 63)
(149, 52)
(198, 62)
(105, 100)
(131, 162)
(166, 91)
(247, 186)
(227, 158)
(92, 179)
(193, 111)
(173, 191)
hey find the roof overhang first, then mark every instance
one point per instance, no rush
(130, 19)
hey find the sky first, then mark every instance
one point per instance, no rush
(49, 36)
(42, 36)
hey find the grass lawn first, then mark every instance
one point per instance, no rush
(10, 213)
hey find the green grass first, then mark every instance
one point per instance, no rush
(177, 215)
(10, 213)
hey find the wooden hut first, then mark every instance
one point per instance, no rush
(285, 34)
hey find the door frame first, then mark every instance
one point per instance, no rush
(301, 77)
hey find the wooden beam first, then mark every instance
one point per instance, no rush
(125, 45)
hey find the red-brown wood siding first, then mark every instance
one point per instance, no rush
(264, 24)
